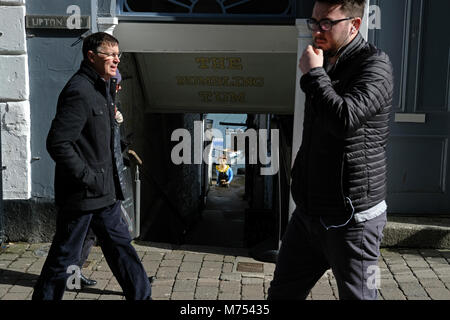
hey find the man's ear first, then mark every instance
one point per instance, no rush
(90, 56)
(356, 24)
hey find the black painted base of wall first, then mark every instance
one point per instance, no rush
(31, 221)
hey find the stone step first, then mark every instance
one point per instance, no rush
(417, 232)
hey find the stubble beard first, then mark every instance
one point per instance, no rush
(337, 46)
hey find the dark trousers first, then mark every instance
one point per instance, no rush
(115, 242)
(89, 241)
(308, 250)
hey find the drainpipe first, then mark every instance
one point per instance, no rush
(104, 23)
(107, 24)
(2, 221)
(94, 10)
(365, 23)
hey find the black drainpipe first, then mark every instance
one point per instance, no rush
(2, 226)
(2, 220)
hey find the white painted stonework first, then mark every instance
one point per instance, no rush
(16, 149)
(12, 2)
(12, 28)
(14, 84)
(14, 102)
(304, 38)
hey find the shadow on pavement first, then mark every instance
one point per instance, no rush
(194, 248)
(17, 278)
(23, 279)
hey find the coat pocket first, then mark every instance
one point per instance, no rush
(101, 126)
(97, 188)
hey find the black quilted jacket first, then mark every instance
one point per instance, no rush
(342, 160)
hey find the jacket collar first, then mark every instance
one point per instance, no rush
(351, 49)
(89, 72)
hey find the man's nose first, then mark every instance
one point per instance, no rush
(317, 32)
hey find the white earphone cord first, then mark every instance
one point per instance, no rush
(344, 43)
(342, 225)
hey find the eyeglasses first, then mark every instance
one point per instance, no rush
(111, 55)
(324, 24)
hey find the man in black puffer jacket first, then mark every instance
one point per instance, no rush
(89, 178)
(339, 175)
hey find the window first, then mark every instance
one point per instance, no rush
(207, 9)
(413, 35)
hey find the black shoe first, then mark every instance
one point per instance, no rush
(85, 282)
(151, 280)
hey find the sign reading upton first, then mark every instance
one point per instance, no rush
(55, 22)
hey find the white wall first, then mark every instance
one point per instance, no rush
(14, 101)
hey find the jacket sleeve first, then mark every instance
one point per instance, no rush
(369, 90)
(65, 130)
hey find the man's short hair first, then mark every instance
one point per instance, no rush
(354, 8)
(95, 40)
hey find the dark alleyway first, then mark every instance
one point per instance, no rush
(222, 222)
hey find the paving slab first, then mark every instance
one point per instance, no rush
(211, 273)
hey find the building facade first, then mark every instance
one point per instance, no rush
(185, 59)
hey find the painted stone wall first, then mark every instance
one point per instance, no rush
(34, 64)
(14, 101)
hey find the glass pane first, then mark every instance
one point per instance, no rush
(390, 38)
(223, 7)
(435, 55)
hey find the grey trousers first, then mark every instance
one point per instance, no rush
(308, 250)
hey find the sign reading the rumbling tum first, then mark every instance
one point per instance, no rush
(232, 82)
(57, 22)
(253, 83)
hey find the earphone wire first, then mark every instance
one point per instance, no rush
(344, 43)
(342, 225)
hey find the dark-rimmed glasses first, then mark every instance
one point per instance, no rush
(324, 24)
(111, 55)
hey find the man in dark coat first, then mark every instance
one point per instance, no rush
(339, 175)
(90, 239)
(89, 177)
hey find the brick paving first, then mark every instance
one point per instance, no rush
(208, 273)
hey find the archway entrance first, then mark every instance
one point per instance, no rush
(174, 76)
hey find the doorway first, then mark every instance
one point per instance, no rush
(222, 220)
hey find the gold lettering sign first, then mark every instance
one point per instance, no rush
(220, 63)
(227, 97)
(220, 81)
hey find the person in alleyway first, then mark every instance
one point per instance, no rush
(224, 172)
(90, 240)
(89, 177)
(339, 175)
